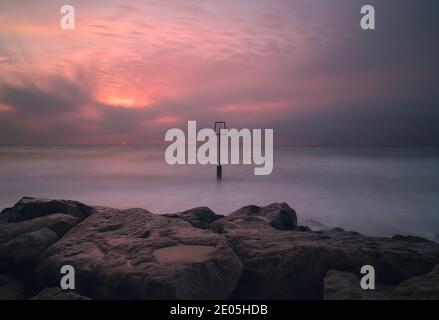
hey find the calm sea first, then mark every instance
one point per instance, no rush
(376, 191)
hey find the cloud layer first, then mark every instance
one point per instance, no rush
(133, 69)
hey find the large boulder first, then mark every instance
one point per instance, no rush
(29, 208)
(21, 243)
(293, 265)
(201, 217)
(277, 215)
(134, 254)
(28, 246)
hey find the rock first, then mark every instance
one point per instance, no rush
(201, 217)
(436, 239)
(11, 289)
(58, 223)
(346, 286)
(335, 230)
(58, 294)
(340, 285)
(18, 256)
(254, 253)
(304, 229)
(21, 243)
(409, 239)
(134, 254)
(28, 245)
(278, 215)
(424, 287)
(293, 265)
(315, 225)
(28, 208)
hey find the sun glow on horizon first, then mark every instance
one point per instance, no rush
(5, 107)
(124, 100)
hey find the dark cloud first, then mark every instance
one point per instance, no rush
(405, 37)
(382, 123)
(28, 99)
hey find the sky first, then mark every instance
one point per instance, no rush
(132, 69)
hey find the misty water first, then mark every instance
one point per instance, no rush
(375, 191)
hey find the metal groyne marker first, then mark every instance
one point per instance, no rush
(219, 169)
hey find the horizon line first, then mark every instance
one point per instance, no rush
(275, 145)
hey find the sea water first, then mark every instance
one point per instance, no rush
(375, 191)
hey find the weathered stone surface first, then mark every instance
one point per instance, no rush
(29, 245)
(18, 256)
(133, 254)
(277, 215)
(58, 223)
(201, 217)
(28, 208)
(292, 265)
(58, 294)
(340, 285)
(11, 289)
(346, 286)
(424, 287)
(21, 243)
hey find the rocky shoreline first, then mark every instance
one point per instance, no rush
(253, 253)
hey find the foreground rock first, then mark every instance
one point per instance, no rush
(253, 253)
(345, 286)
(278, 216)
(134, 254)
(293, 265)
(22, 243)
(424, 287)
(198, 217)
(28, 208)
(339, 285)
